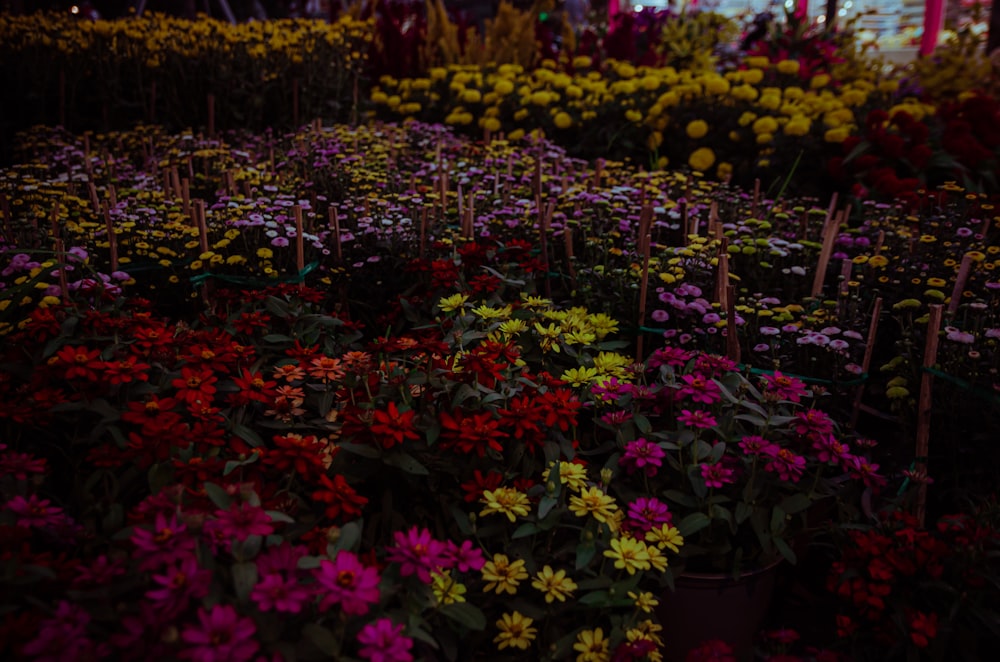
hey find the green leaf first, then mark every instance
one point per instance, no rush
(218, 496)
(407, 463)
(362, 450)
(278, 516)
(785, 550)
(350, 536)
(322, 638)
(545, 505)
(796, 503)
(743, 511)
(247, 435)
(276, 338)
(778, 519)
(244, 579)
(465, 614)
(594, 598)
(525, 530)
(642, 423)
(160, 475)
(585, 554)
(693, 523)
(681, 498)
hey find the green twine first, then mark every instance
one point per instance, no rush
(256, 283)
(990, 396)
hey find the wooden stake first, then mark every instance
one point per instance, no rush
(295, 102)
(722, 274)
(568, 244)
(643, 291)
(200, 222)
(186, 195)
(956, 292)
(756, 198)
(866, 361)
(112, 237)
(95, 202)
(924, 408)
(61, 259)
(830, 229)
(423, 231)
(8, 228)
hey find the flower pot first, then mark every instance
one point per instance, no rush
(705, 607)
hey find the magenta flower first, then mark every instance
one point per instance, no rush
(100, 572)
(829, 449)
(647, 512)
(700, 389)
(179, 584)
(714, 366)
(786, 464)
(812, 421)
(141, 634)
(671, 356)
(241, 521)
(347, 582)
(465, 557)
(383, 641)
(642, 454)
(417, 553)
(34, 512)
(696, 419)
(784, 386)
(867, 471)
(276, 591)
(281, 558)
(716, 475)
(756, 445)
(165, 543)
(21, 465)
(63, 636)
(221, 635)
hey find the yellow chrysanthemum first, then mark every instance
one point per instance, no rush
(554, 584)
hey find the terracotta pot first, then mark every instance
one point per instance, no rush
(706, 607)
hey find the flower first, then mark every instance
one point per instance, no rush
(503, 575)
(506, 501)
(220, 634)
(593, 501)
(701, 159)
(592, 646)
(383, 641)
(345, 581)
(628, 554)
(554, 584)
(515, 631)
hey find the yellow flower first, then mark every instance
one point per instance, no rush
(563, 120)
(571, 474)
(582, 376)
(878, 261)
(265, 253)
(612, 363)
(788, 67)
(629, 554)
(488, 313)
(593, 501)
(471, 96)
(666, 536)
(454, 302)
(515, 631)
(701, 159)
(836, 135)
(503, 575)
(766, 124)
(633, 115)
(592, 646)
(446, 590)
(697, 129)
(506, 501)
(644, 601)
(554, 584)
(819, 80)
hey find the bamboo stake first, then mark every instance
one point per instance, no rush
(61, 259)
(423, 231)
(732, 339)
(211, 115)
(830, 228)
(202, 225)
(186, 195)
(846, 268)
(335, 222)
(95, 202)
(722, 275)
(924, 409)
(643, 291)
(112, 237)
(756, 198)
(300, 257)
(866, 361)
(956, 292)
(568, 244)
(8, 229)
(295, 102)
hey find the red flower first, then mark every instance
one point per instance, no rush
(155, 415)
(80, 362)
(923, 628)
(340, 498)
(125, 371)
(474, 488)
(253, 387)
(391, 427)
(195, 384)
(470, 433)
(303, 455)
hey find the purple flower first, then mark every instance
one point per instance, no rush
(166, 542)
(222, 635)
(769, 331)
(761, 347)
(347, 582)
(179, 584)
(383, 641)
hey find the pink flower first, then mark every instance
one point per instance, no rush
(166, 542)
(63, 636)
(417, 553)
(222, 635)
(281, 558)
(812, 421)
(716, 475)
(696, 419)
(241, 521)
(700, 389)
(278, 592)
(867, 471)
(100, 572)
(712, 651)
(829, 449)
(671, 356)
(383, 641)
(20, 465)
(642, 454)
(347, 582)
